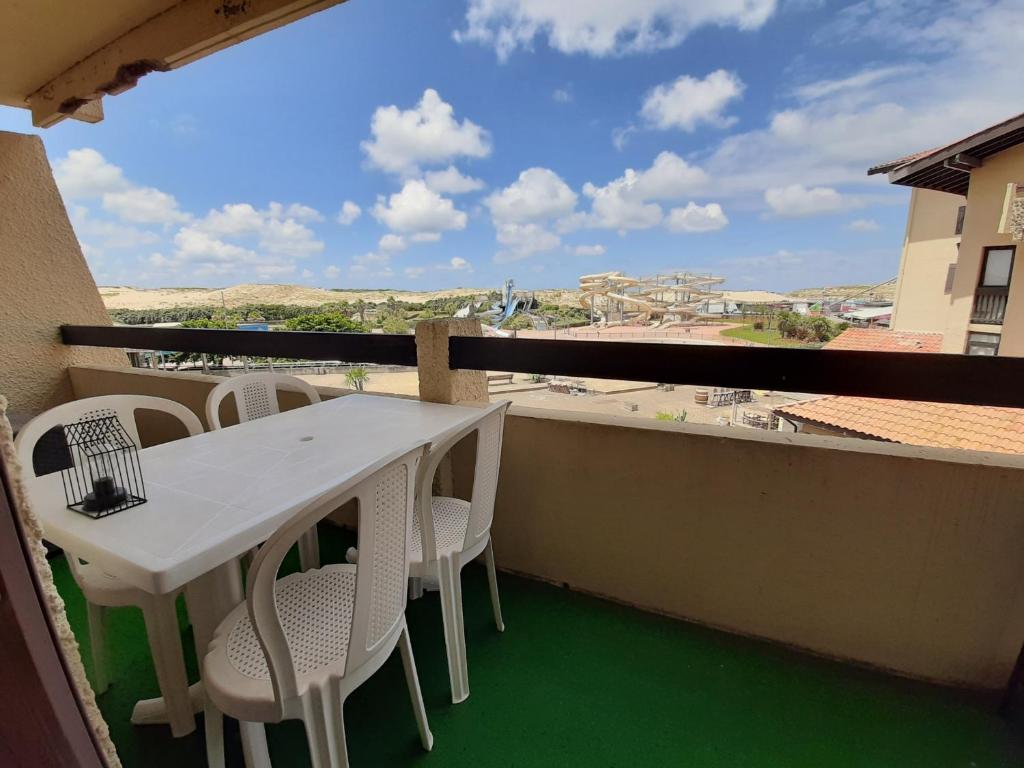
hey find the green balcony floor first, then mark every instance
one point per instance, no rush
(576, 681)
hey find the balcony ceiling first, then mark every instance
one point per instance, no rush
(59, 58)
(40, 39)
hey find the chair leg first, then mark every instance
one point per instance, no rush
(309, 550)
(165, 647)
(415, 588)
(254, 744)
(492, 580)
(325, 728)
(98, 645)
(413, 681)
(213, 722)
(448, 578)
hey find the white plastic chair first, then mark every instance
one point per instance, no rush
(450, 532)
(256, 397)
(298, 647)
(102, 590)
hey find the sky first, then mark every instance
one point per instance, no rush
(425, 145)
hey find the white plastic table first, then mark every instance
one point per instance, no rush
(215, 496)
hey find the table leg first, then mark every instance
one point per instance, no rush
(209, 598)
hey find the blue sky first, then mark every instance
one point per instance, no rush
(425, 145)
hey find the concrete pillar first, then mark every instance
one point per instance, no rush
(438, 383)
(44, 283)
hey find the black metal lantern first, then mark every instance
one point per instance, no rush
(105, 475)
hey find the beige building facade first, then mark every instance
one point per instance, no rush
(957, 271)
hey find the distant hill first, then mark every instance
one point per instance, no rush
(885, 292)
(124, 297)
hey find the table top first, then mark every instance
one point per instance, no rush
(214, 496)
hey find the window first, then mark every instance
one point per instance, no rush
(961, 212)
(950, 277)
(986, 344)
(996, 267)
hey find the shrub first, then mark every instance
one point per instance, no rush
(669, 416)
(325, 321)
(759, 325)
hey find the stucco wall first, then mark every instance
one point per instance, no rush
(46, 283)
(779, 536)
(929, 247)
(916, 570)
(984, 206)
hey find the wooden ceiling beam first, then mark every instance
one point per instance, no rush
(182, 34)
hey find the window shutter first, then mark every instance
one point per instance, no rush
(961, 212)
(950, 277)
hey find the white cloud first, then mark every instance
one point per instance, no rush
(523, 211)
(289, 238)
(144, 205)
(233, 219)
(332, 272)
(627, 202)
(688, 102)
(371, 264)
(614, 207)
(372, 259)
(458, 264)
(946, 77)
(863, 225)
(850, 84)
(538, 194)
(669, 178)
(296, 211)
(451, 181)
(602, 27)
(84, 173)
(426, 237)
(414, 272)
(589, 250)
(562, 95)
(523, 240)
(418, 209)
(349, 213)
(796, 200)
(96, 235)
(403, 140)
(697, 218)
(392, 243)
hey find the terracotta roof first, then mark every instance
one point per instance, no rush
(886, 167)
(929, 169)
(881, 340)
(941, 425)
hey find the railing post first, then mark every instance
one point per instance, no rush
(438, 383)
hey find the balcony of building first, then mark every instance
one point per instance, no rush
(989, 305)
(679, 593)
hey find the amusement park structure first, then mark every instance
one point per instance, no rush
(613, 298)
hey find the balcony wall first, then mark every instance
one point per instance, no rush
(899, 557)
(45, 282)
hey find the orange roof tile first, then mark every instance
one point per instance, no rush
(881, 340)
(941, 425)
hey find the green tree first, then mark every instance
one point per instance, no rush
(357, 378)
(394, 324)
(325, 321)
(359, 306)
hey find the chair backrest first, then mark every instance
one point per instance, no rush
(124, 407)
(384, 493)
(489, 429)
(255, 395)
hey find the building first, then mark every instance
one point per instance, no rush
(938, 425)
(963, 228)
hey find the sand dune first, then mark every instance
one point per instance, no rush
(123, 297)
